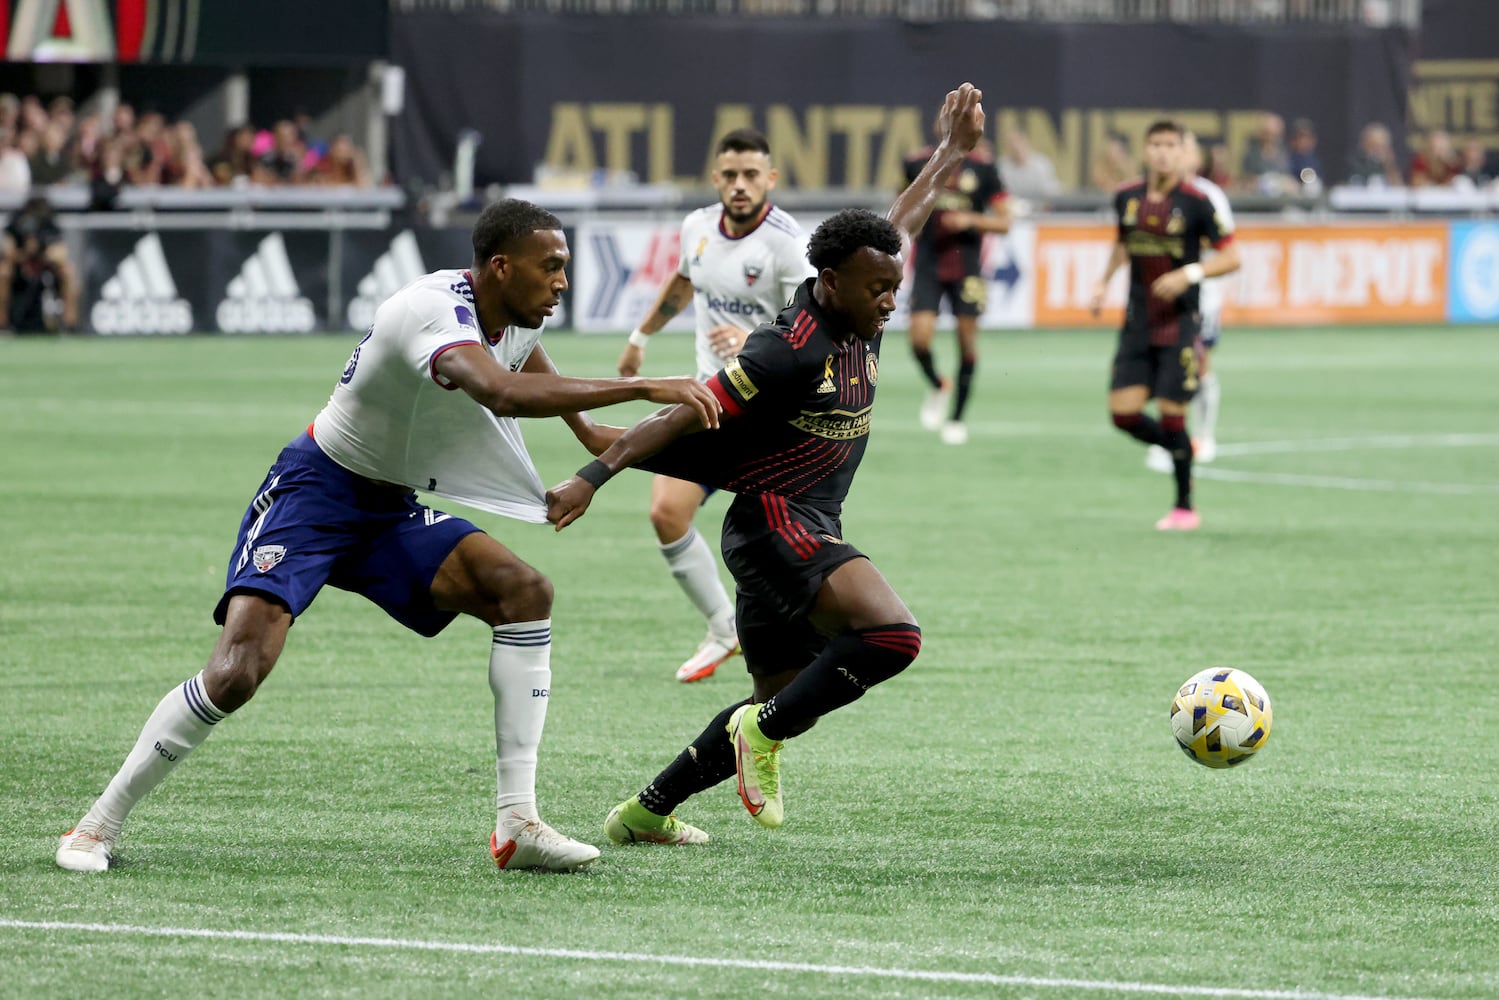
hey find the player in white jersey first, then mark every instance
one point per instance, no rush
(741, 260)
(428, 401)
(1212, 292)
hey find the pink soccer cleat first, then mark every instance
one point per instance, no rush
(1180, 519)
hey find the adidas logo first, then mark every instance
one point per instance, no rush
(141, 297)
(395, 268)
(264, 297)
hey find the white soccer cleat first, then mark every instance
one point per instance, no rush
(532, 844)
(954, 432)
(1204, 450)
(86, 850)
(934, 407)
(1158, 459)
(710, 655)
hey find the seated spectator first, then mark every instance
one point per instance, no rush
(15, 165)
(109, 176)
(1477, 172)
(51, 164)
(148, 157)
(343, 163)
(184, 166)
(1305, 166)
(235, 159)
(1267, 167)
(1373, 163)
(1215, 165)
(1025, 172)
(283, 163)
(37, 282)
(1437, 163)
(1113, 165)
(84, 149)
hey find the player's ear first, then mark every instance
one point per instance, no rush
(771, 176)
(500, 265)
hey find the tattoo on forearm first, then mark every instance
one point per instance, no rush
(667, 309)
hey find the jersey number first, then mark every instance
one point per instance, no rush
(1189, 369)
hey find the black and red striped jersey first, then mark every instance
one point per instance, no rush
(972, 186)
(1163, 232)
(796, 404)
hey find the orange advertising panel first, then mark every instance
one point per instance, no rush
(1291, 275)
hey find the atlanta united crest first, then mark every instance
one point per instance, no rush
(872, 369)
(266, 557)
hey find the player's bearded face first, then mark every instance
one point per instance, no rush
(743, 180)
(534, 277)
(864, 288)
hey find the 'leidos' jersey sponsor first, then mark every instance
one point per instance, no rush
(741, 281)
(797, 403)
(392, 418)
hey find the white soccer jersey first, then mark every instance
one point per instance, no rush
(392, 418)
(1214, 290)
(739, 280)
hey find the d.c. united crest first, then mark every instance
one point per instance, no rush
(752, 273)
(266, 557)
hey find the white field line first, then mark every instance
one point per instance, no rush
(640, 958)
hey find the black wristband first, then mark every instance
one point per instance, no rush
(595, 473)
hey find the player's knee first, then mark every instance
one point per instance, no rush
(670, 521)
(520, 593)
(1125, 421)
(235, 671)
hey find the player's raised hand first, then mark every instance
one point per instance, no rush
(962, 118)
(568, 501)
(689, 392)
(727, 340)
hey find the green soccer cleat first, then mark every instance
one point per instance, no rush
(757, 760)
(632, 823)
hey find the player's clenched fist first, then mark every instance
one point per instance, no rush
(568, 501)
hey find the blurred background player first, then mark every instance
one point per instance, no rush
(741, 260)
(1163, 222)
(1210, 308)
(38, 286)
(948, 258)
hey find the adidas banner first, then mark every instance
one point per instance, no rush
(260, 281)
(198, 281)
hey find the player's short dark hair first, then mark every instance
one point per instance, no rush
(842, 235)
(743, 140)
(504, 222)
(1167, 125)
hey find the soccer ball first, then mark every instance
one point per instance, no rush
(1221, 717)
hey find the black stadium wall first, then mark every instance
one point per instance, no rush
(842, 100)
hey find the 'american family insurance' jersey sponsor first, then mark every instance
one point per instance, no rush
(392, 418)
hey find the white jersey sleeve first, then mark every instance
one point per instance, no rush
(392, 418)
(740, 281)
(1214, 290)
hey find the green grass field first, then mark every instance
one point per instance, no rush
(1009, 818)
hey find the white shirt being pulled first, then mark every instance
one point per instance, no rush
(392, 418)
(739, 281)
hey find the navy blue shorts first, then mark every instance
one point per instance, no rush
(313, 522)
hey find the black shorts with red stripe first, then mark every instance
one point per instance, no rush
(780, 551)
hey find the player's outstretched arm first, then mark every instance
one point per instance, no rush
(567, 501)
(591, 434)
(962, 126)
(676, 295)
(541, 394)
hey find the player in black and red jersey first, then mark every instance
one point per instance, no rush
(818, 623)
(947, 263)
(1163, 221)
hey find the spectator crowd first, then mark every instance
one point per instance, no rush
(54, 143)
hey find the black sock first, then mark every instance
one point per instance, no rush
(1179, 443)
(707, 761)
(965, 383)
(849, 665)
(924, 359)
(1140, 427)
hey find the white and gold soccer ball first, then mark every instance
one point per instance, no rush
(1221, 717)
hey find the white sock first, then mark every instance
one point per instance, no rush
(1205, 407)
(182, 720)
(520, 675)
(696, 571)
